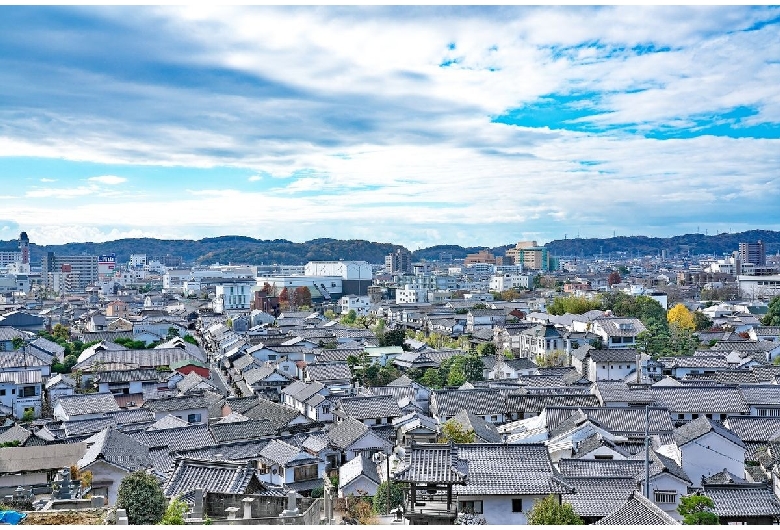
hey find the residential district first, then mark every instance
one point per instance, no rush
(516, 389)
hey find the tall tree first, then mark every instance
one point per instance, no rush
(682, 317)
(301, 297)
(613, 278)
(772, 317)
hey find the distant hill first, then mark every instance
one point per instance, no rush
(242, 249)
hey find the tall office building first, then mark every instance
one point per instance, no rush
(754, 253)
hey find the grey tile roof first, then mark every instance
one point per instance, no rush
(535, 403)
(285, 454)
(598, 496)
(331, 371)
(87, 404)
(617, 420)
(15, 433)
(22, 377)
(224, 477)
(173, 404)
(63, 378)
(169, 421)
(370, 407)
(242, 430)
(244, 363)
(20, 459)
(620, 392)
(360, 465)
(753, 429)
(340, 354)
(498, 469)
(124, 376)
(637, 511)
(621, 326)
(723, 477)
(596, 441)
(761, 395)
(20, 358)
(227, 452)
(118, 449)
(700, 399)
(434, 463)
(701, 426)
(346, 432)
(52, 348)
(614, 356)
(256, 375)
(479, 401)
(398, 392)
(484, 431)
(279, 415)
(745, 500)
(176, 439)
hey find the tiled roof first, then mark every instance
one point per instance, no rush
(618, 391)
(498, 469)
(617, 420)
(745, 500)
(723, 477)
(753, 429)
(620, 326)
(227, 452)
(87, 404)
(242, 430)
(244, 362)
(398, 392)
(173, 404)
(341, 354)
(169, 421)
(613, 356)
(596, 441)
(370, 407)
(22, 377)
(285, 454)
(479, 401)
(346, 432)
(124, 376)
(484, 431)
(701, 426)
(328, 371)
(432, 463)
(637, 511)
(360, 465)
(19, 459)
(598, 496)
(48, 346)
(211, 477)
(700, 399)
(255, 375)
(20, 358)
(118, 449)
(176, 439)
(761, 394)
(279, 415)
(15, 433)
(60, 378)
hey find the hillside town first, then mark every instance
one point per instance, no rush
(618, 389)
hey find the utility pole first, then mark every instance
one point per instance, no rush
(647, 451)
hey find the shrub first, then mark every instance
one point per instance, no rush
(141, 496)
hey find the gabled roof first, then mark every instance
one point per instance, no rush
(241, 430)
(211, 477)
(639, 511)
(618, 391)
(478, 401)
(753, 429)
(743, 500)
(617, 420)
(16, 433)
(432, 463)
(361, 465)
(60, 378)
(363, 407)
(284, 454)
(116, 448)
(598, 496)
(484, 431)
(620, 355)
(498, 469)
(346, 432)
(701, 426)
(330, 371)
(700, 399)
(169, 421)
(82, 404)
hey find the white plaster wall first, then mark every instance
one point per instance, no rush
(711, 454)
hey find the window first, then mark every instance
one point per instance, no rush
(517, 505)
(28, 391)
(602, 457)
(666, 497)
(302, 473)
(2, 391)
(694, 416)
(326, 409)
(493, 418)
(471, 506)
(193, 418)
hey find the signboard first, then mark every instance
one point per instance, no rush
(106, 264)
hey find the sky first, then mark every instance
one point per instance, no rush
(414, 126)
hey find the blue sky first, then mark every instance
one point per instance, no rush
(417, 126)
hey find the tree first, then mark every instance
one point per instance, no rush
(174, 513)
(350, 318)
(61, 332)
(701, 321)
(479, 305)
(613, 278)
(453, 431)
(17, 342)
(396, 497)
(393, 337)
(142, 498)
(575, 305)
(284, 298)
(681, 316)
(696, 509)
(301, 296)
(487, 349)
(772, 317)
(431, 378)
(189, 338)
(547, 511)
(172, 332)
(553, 358)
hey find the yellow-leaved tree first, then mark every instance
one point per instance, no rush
(682, 317)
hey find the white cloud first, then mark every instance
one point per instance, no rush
(255, 178)
(111, 180)
(48, 180)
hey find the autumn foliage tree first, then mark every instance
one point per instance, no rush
(613, 278)
(681, 317)
(284, 298)
(301, 296)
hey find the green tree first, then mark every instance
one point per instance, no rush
(701, 321)
(61, 332)
(172, 332)
(697, 509)
(548, 512)
(29, 415)
(17, 342)
(552, 358)
(141, 496)
(189, 338)
(432, 378)
(479, 305)
(393, 337)
(772, 317)
(487, 349)
(575, 305)
(396, 497)
(455, 432)
(174, 513)
(350, 318)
